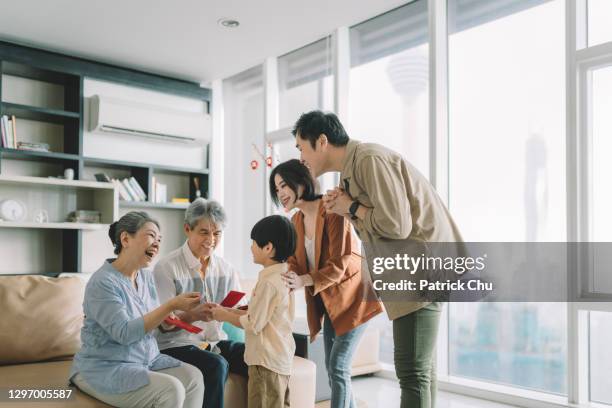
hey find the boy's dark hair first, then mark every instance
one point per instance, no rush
(310, 126)
(294, 173)
(278, 231)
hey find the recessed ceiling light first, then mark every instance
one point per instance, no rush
(228, 23)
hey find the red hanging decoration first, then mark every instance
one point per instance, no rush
(269, 161)
(254, 164)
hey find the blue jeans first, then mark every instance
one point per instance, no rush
(338, 356)
(214, 367)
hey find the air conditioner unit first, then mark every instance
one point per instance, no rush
(114, 115)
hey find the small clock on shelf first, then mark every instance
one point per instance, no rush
(12, 210)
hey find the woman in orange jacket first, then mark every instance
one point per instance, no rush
(328, 265)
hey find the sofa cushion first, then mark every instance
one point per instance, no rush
(41, 317)
(49, 375)
(52, 375)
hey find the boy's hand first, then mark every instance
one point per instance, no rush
(204, 311)
(217, 312)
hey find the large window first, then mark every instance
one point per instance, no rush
(305, 81)
(388, 92)
(601, 165)
(510, 177)
(599, 17)
(600, 324)
(388, 98)
(507, 177)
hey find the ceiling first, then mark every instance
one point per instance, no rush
(180, 38)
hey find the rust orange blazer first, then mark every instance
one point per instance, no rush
(338, 285)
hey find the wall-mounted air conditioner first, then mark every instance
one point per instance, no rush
(114, 115)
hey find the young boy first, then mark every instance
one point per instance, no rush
(268, 322)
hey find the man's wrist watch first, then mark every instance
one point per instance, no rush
(353, 209)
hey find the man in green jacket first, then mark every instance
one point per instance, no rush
(387, 200)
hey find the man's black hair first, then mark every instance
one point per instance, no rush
(312, 124)
(294, 173)
(278, 231)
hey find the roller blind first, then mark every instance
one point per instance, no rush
(407, 26)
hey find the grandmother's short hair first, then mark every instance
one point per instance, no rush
(202, 209)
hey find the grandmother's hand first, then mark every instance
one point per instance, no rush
(186, 301)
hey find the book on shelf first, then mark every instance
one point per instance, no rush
(14, 130)
(9, 131)
(123, 194)
(180, 200)
(134, 183)
(160, 190)
(3, 132)
(7, 128)
(130, 190)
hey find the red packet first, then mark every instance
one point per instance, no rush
(185, 326)
(232, 298)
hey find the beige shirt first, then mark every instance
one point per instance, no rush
(402, 204)
(269, 322)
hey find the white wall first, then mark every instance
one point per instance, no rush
(245, 188)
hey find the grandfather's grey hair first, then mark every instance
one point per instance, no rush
(201, 209)
(130, 223)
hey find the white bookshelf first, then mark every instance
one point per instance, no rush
(59, 197)
(55, 182)
(53, 225)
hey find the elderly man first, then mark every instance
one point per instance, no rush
(195, 268)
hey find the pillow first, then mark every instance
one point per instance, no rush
(41, 317)
(233, 333)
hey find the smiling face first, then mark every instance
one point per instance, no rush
(286, 196)
(203, 238)
(143, 246)
(313, 158)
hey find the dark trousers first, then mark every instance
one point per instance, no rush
(214, 367)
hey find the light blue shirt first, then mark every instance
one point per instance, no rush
(116, 353)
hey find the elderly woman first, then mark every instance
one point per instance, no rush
(194, 267)
(119, 362)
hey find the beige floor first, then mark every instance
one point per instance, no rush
(372, 392)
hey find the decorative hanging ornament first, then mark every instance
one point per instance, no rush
(254, 164)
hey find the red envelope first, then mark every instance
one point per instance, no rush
(232, 298)
(185, 326)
